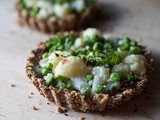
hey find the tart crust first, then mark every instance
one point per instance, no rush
(73, 99)
(68, 23)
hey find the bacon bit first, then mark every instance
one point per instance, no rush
(57, 54)
(81, 118)
(34, 108)
(12, 85)
(88, 63)
(64, 61)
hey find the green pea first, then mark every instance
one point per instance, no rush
(85, 91)
(21, 6)
(45, 71)
(115, 60)
(126, 40)
(89, 77)
(80, 11)
(135, 50)
(61, 78)
(96, 46)
(114, 87)
(50, 66)
(115, 77)
(34, 12)
(99, 89)
(49, 44)
(133, 43)
(45, 55)
(132, 77)
(87, 41)
(107, 45)
(69, 86)
(124, 47)
(49, 80)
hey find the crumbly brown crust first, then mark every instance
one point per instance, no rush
(68, 23)
(73, 99)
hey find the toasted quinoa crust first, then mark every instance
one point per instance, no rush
(75, 100)
(68, 23)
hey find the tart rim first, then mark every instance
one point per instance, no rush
(47, 26)
(74, 99)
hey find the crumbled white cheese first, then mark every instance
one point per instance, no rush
(43, 62)
(48, 75)
(130, 59)
(72, 67)
(90, 32)
(137, 63)
(78, 83)
(42, 14)
(46, 9)
(30, 3)
(78, 43)
(62, 10)
(131, 63)
(101, 75)
(101, 71)
(78, 5)
(121, 67)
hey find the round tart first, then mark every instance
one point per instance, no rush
(89, 71)
(51, 16)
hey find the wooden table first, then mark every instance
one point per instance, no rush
(135, 18)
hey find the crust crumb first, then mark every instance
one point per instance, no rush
(47, 103)
(29, 96)
(61, 110)
(34, 108)
(12, 85)
(81, 118)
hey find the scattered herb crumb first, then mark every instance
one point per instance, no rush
(32, 93)
(34, 108)
(12, 85)
(81, 118)
(66, 114)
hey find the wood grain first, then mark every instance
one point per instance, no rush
(134, 18)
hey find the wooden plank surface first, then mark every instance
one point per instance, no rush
(135, 18)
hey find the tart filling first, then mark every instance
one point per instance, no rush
(92, 63)
(53, 9)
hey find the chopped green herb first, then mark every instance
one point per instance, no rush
(89, 77)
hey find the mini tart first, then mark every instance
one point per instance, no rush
(73, 99)
(72, 21)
